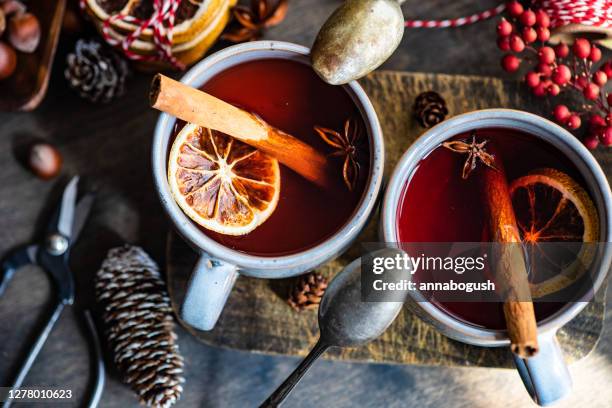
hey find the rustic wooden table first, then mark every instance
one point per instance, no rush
(110, 145)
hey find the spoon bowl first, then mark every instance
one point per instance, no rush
(345, 320)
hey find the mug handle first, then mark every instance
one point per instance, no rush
(210, 284)
(545, 375)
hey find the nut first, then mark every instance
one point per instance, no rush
(24, 32)
(2, 22)
(12, 7)
(8, 60)
(44, 160)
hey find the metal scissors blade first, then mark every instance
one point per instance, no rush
(63, 220)
(81, 214)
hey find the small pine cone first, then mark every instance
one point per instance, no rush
(429, 109)
(96, 72)
(138, 319)
(307, 291)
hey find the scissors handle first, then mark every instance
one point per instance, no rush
(36, 347)
(98, 375)
(14, 260)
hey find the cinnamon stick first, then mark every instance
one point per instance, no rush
(195, 106)
(510, 266)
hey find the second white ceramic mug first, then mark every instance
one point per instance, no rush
(545, 376)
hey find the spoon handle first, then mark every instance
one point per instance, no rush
(285, 388)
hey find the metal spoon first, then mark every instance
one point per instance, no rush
(344, 321)
(357, 38)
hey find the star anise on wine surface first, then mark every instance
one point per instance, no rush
(475, 151)
(253, 20)
(345, 146)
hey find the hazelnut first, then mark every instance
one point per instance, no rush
(12, 7)
(2, 22)
(8, 60)
(24, 32)
(44, 160)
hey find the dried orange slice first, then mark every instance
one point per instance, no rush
(221, 183)
(551, 207)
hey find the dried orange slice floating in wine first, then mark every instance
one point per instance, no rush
(554, 215)
(221, 183)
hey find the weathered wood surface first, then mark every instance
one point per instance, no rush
(257, 318)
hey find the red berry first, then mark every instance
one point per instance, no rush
(606, 137)
(561, 113)
(532, 79)
(528, 18)
(529, 35)
(595, 54)
(554, 89)
(510, 63)
(542, 19)
(607, 68)
(516, 43)
(561, 75)
(540, 89)
(582, 47)
(514, 8)
(591, 91)
(591, 142)
(503, 43)
(562, 50)
(573, 122)
(543, 33)
(609, 118)
(600, 78)
(582, 82)
(597, 122)
(544, 69)
(504, 28)
(546, 55)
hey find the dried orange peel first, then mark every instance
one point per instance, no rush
(550, 206)
(222, 184)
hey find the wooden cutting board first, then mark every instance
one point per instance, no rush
(257, 318)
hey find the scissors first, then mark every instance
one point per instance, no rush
(53, 256)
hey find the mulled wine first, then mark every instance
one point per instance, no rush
(290, 96)
(439, 205)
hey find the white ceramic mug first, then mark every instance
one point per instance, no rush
(218, 267)
(545, 376)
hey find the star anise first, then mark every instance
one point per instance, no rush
(252, 21)
(345, 145)
(475, 151)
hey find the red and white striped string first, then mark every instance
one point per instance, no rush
(597, 13)
(161, 22)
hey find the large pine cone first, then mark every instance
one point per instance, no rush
(139, 324)
(307, 291)
(430, 109)
(96, 72)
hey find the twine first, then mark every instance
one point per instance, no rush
(596, 13)
(161, 22)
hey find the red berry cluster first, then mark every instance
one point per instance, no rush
(559, 68)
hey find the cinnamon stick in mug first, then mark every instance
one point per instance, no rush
(509, 264)
(198, 107)
(508, 258)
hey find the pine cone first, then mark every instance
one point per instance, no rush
(96, 72)
(430, 109)
(307, 291)
(138, 319)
